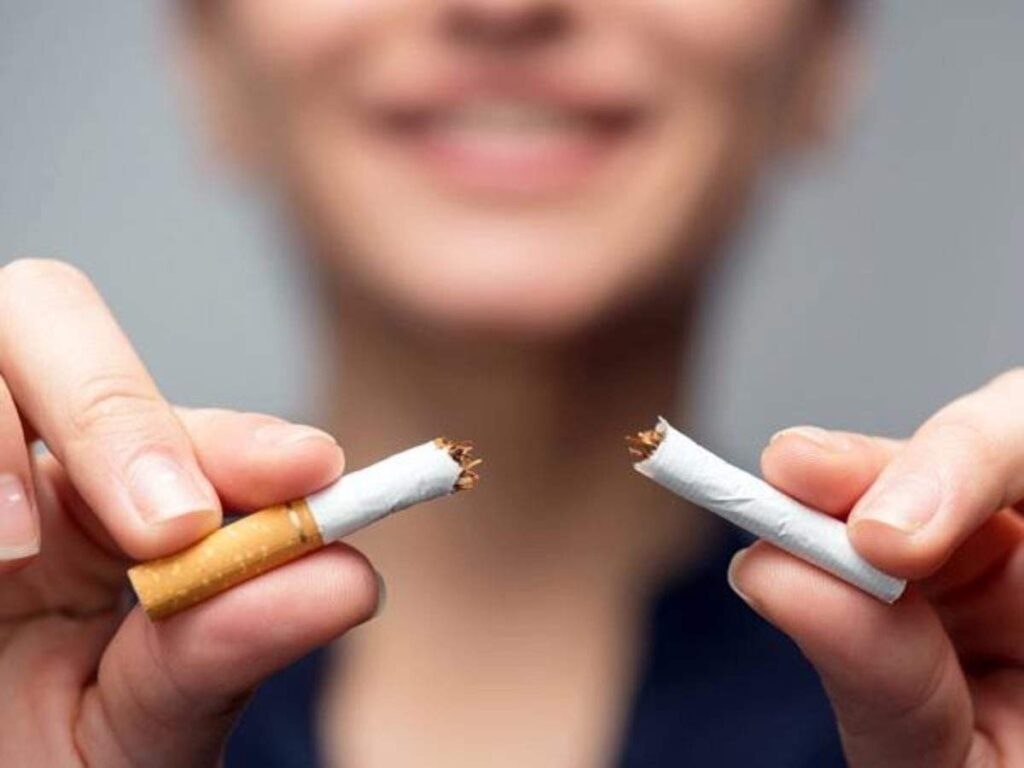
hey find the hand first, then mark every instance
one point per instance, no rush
(85, 682)
(937, 679)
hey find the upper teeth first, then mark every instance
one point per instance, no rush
(508, 115)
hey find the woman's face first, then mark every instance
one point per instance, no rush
(521, 167)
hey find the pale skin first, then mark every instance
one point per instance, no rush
(524, 597)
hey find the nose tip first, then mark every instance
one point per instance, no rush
(506, 23)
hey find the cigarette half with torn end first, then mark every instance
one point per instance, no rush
(263, 540)
(671, 459)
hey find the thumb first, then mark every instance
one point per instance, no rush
(167, 693)
(892, 676)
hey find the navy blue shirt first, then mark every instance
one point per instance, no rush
(719, 687)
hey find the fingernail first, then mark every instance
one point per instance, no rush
(382, 595)
(280, 435)
(816, 435)
(730, 575)
(163, 490)
(19, 533)
(906, 504)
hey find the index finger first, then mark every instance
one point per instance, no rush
(963, 465)
(76, 378)
(828, 470)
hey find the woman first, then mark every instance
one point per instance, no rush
(508, 204)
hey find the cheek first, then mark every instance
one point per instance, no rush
(734, 65)
(723, 33)
(297, 35)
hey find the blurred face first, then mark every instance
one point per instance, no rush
(522, 167)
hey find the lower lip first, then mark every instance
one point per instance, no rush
(528, 164)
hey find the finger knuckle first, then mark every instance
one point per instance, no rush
(904, 702)
(910, 703)
(115, 403)
(967, 437)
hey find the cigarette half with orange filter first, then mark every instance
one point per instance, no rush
(263, 540)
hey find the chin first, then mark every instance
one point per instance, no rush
(529, 312)
(527, 292)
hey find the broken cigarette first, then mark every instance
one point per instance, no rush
(671, 459)
(271, 537)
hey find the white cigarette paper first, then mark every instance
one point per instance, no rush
(696, 474)
(363, 497)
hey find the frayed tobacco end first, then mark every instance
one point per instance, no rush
(462, 452)
(642, 445)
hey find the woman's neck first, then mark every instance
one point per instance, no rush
(517, 607)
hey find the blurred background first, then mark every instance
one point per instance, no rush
(886, 279)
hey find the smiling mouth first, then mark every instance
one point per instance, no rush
(509, 145)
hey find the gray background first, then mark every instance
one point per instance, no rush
(883, 281)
